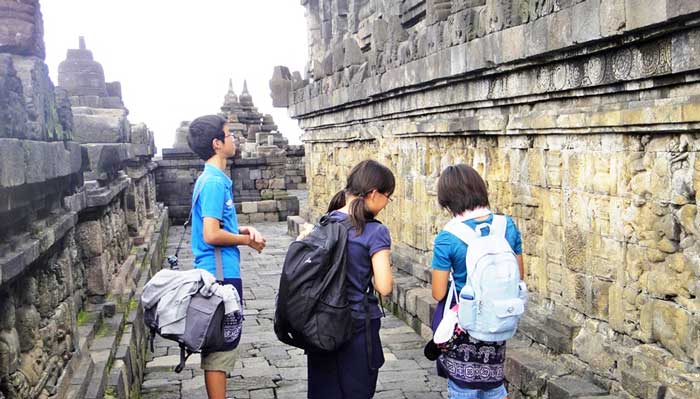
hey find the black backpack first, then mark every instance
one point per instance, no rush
(312, 310)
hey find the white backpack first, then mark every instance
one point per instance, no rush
(493, 280)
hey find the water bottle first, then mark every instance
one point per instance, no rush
(467, 293)
(467, 308)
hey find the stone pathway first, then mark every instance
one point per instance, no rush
(269, 368)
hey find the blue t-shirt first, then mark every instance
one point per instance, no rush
(374, 238)
(216, 201)
(450, 253)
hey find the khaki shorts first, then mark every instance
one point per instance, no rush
(220, 361)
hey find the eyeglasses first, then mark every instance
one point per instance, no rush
(387, 197)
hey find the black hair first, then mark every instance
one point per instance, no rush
(365, 177)
(202, 132)
(460, 188)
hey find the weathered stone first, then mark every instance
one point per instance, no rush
(23, 29)
(280, 86)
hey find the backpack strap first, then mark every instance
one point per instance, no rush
(184, 355)
(499, 225)
(217, 250)
(460, 230)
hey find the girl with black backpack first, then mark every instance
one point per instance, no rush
(352, 370)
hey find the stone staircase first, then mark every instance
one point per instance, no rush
(539, 362)
(108, 362)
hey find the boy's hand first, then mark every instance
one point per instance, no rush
(258, 246)
(257, 241)
(254, 234)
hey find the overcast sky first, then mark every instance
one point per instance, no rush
(174, 58)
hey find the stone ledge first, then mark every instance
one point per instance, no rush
(105, 159)
(24, 250)
(481, 56)
(102, 196)
(28, 161)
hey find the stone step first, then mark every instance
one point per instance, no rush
(550, 332)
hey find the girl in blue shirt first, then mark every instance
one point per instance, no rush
(463, 193)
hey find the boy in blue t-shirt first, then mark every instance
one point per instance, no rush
(475, 371)
(214, 224)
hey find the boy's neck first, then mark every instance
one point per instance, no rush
(217, 161)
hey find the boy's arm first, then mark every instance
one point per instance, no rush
(254, 234)
(215, 235)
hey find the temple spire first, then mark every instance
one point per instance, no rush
(230, 85)
(81, 42)
(245, 87)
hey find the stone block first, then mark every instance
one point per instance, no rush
(642, 13)
(271, 217)
(256, 217)
(38, 90)
(100, 125)
(280, 86)
(588, 11)
(529, 371)
(89, 237)
(97, 276)
(249, 207)
(685, 51)
(12, 163)
(23, 29)
(676, 8)
(641, 385)
(612, 17)
(294, 224)
(267, 206)
(13, 113)
(572, 387)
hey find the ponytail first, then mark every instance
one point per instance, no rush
(359, 215)
(337, 202)
(365, 177)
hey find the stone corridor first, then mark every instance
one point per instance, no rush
(268, 368)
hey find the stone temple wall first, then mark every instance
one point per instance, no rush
(78, 223)
(582, 116)
(262, 170)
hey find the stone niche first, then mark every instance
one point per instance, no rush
(264, 169)
(585, 132)
(71, 209)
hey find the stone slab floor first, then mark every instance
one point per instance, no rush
(269, 368)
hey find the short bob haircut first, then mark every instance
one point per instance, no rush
(460, 188)
(202, 132)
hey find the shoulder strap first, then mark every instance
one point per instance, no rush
(499, 225)
(217, 250)
(461, 231)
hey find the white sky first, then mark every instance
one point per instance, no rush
(174, 58)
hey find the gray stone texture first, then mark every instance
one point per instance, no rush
(23, 28)
(49, 262)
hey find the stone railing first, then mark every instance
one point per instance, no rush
(582, 117)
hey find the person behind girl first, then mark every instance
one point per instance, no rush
(463, 193)
(351, 371)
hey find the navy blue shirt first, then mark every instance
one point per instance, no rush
(374, 238)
